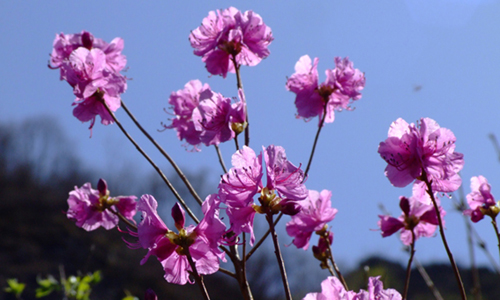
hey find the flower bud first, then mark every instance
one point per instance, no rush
(87, 40)
(179, 216)
(290, 208)
(150, 295)
(102, 187)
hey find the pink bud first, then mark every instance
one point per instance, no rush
(87, 40)
(150, 295)
(102, 187)
(179, 216)
(405, 205)
(290, 208)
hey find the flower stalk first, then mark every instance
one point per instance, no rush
(197, 277)
(277, 251)
(165, 154)
(158, 170)
(443, 237)
(408, 268)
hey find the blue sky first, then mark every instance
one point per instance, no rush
(448, 48)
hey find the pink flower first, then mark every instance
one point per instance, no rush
(93, 208)
(316, 211)
(215, 116)
(480, 200)
(171, 248)
(93, 85)
(282, 175)
(91, 66)
(332, 289)
(411, 148)
(244, 180)
(65, 44)
(376, 291)
(312, 99)
(228, 34)
(417, 216)
(184, 102)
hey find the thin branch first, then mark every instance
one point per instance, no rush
(315, 142)
(495, 227)
(197, 277)
(476, 284)
(125, 220)
(158, 170)
(277, 251)
(239, 85)
(428, 280)
(263, 238)
(443, 237)
(408, 268)
(164, 153)
(221, 160)
(335, 267)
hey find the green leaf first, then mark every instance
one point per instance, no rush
(15, 287)
(46, 286)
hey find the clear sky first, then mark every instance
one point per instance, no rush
(437, 59)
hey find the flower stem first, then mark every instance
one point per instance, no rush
(495, 227)
(158, 170)
(443, 237)
(476, 284)
(197, 277)
(239, 85)
(428, 280)
(221, 160)
(263, 238)
(337, 270)
(240, 273)
(236, 143)
(164, 153)
(315, 142)
(125, 220)
(277, 251)
(408, 268)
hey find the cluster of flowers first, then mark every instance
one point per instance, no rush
(202, 116)
(92, 68)
(480, 200)
(418, 216)
(229, 38)
(94, 208)
(422, 153)
(284, 192)
(342, 84)
(332, 289)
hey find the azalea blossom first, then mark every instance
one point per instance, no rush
(171, 248)
(183, 103)
(94, 208)
(91, 66)
(417, 216)
(376, 291)
(216, 118)
(342, 84)
(283, 190)
(316, 211)
(93, 85)
(65, 44)
(227, 35)
(332, 289)
(480, 200)
(413, 149)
